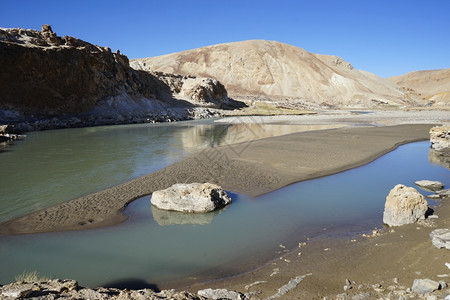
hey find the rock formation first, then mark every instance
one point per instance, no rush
(276, 70)
(432, 86)
(205, 92)
(440, 138)
(42, 72)
(404, 205)
(44, 76)
(192, 198)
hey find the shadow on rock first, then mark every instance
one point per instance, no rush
(132, 284)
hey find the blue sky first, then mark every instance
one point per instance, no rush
(383, 37)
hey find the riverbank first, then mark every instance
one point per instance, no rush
(254, 168)
(381, 264)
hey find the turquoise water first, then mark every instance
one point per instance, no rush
(163, 249)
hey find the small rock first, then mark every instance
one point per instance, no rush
(423, 286)
(441, 238)
(220, 294)
(429, 185)
(444, 193)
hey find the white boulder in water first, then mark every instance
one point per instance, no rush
(191, 197)
(404, 205)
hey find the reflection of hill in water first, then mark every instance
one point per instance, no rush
(441, 158)
(165, 218)
(226, 134)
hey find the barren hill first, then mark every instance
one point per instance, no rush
(273, 70)
(433, 85)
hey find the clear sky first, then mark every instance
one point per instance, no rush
(385, 37)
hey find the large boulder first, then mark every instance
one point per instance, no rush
(191, 197)
(404, 205)
(440, 137)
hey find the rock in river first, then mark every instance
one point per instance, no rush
(404, 205)
(191, 197)
(430, 185)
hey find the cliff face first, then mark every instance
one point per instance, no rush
(275, 69)
(43, 76)
(432, 86)
(41, 72)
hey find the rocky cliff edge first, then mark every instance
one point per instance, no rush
(47, 81)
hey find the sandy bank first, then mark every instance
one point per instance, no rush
(382, 264)
(255, 167)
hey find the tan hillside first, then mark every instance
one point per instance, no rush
(274, 69)
(433, 85)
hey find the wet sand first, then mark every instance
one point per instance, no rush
(254, 168)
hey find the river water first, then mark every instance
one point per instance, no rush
(161, 249)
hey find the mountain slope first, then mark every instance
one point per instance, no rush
(275, 70)
(433, 85)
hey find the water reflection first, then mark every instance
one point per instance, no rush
(165, 218)
(441, 158)
(226, 134)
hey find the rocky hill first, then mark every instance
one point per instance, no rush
(276, 71)
(43, 75)
(432, 86)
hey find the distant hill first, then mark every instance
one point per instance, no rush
(433, 85)
(275, 70)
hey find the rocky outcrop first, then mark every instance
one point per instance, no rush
(279, 71)
(205, 92)
(49, 82)
(440, 138)
(404, 205)
(430, 185)
(440, 238)
(191, 197)
(42, 72)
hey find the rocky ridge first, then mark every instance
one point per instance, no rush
(49, 82)
(277, 71)
(431, 86)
